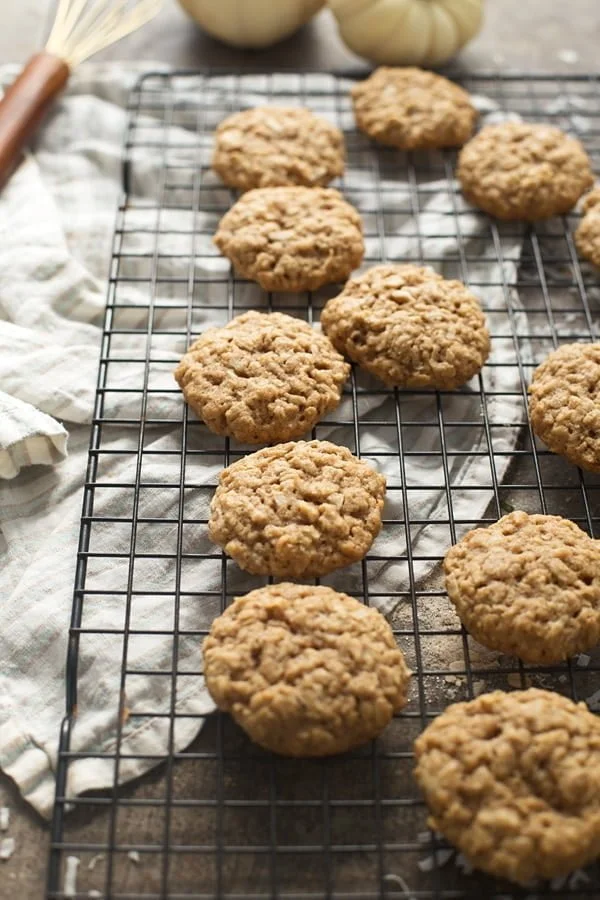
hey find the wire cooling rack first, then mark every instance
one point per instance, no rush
(219, 818)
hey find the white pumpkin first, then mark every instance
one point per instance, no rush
(251, 23)
(407, 32)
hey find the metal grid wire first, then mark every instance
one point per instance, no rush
(222, 819)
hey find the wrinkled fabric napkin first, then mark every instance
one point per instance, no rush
(56, 223)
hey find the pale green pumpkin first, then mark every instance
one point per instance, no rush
(407, 32)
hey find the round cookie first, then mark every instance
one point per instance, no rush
(528, 586)
(520, 170)
(264, 377)
(564, 403)
(297, 510)
(292, 238)
(305, 671)
(271, 146)
(409, 326)
(513, 781)
(587, 236)
(412, 109)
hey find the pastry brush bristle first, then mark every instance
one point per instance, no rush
(84, 27)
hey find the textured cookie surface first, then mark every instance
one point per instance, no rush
(297, 510)
(564, 403)
(306, 671)
(262, 378)
(513, 780)
(292, 238)
(271, 146)
(528, 586)
(409, 326)
(587, 236)
(519, 170)
(413, 109)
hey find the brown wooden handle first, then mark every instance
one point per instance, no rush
(25, 104)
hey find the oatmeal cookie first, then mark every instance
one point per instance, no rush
(528, 586)
(292, 238)
(272, 145)
(413, 109)
(587, 236)
(520, 170)
(297, 510)
(564, 403)
(305, 671)
(513, 781)
(263, 377)
(409, 326)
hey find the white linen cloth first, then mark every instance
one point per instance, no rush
(56, 222)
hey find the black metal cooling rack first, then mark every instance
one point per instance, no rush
(220, 818)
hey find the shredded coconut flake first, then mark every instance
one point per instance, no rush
(436, 860)
(463, 864)
(95, 860)
(95, 894)
(583, 660)
(7, 848)
(397, 879)
(134, 856)
(593, 701)
(4, 818)
(578, 878)
(71, 866)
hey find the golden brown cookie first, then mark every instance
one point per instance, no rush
(409, 326)
(520, 170)
(292, 238)
(528, 586)
(272, 145)
(305, 671)
(413, 109)
(263, 377)
(564, 403)
(297, 510)
(513, 781)
(587, 236)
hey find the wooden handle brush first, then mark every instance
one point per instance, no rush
(81, 29)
